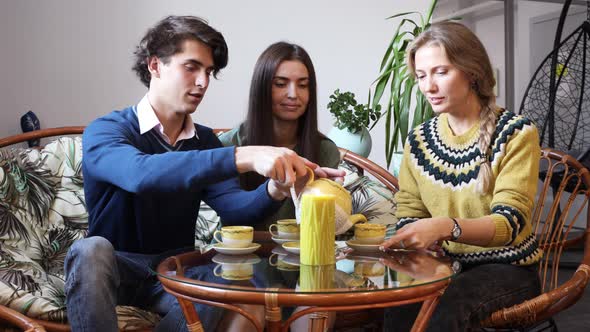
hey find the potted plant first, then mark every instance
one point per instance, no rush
(398, 85)
(352, 120)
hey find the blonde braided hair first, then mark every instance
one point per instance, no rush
(466, 52)
(487, 126)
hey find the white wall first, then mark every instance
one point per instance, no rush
(11, 50)
(490, 29)
(69, 61)
(527, 10)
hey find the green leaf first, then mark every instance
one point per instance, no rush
(386, 56)
(388, 133)
(405, 116)
(349, 114)
(395, 79)
(430, 11)
(397, 36)
(401, 14)
(379, 89)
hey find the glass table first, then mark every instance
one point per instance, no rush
(272, 277)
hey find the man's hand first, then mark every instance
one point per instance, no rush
(280, 164)
(278, 191)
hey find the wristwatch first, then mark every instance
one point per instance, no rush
(456, 231)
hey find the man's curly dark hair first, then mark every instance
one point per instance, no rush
(166, 38)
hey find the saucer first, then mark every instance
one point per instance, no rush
(234, 259)
(292, 247)
(279, 250)
(362, 247)
(223, 249)
(280, 240)
(366, 256)
(291, 260)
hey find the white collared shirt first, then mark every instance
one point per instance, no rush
(148, 120)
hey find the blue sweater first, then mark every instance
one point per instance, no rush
(143, 194)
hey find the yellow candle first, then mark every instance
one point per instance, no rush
(317, 229)
(317, 278)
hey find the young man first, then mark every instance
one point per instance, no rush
(146, 169)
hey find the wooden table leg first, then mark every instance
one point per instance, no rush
(272, 312)
(193, 323)
(425, 313)
(318, 322)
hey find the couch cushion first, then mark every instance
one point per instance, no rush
(370, 198)
(42, 212)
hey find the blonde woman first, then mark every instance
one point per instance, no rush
(467, 182)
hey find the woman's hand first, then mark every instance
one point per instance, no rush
(330, 173)
(420, 266)
(325, 172)
(423, 234)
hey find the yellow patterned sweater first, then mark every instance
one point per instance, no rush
(438, 178)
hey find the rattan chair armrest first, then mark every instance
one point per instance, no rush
(544, 305)
(19, 320)
(42, 133)
(366, 165)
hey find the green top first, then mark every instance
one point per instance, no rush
(329, 156)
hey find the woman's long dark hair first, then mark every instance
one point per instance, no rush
(259, 120)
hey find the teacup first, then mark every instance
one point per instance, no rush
(234, 271)
(369, 269)
(285, 229)
(235, 236)
(366, 233)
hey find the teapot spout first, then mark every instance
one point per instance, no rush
(344, 224)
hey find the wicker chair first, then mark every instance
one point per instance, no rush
(553, 220)
(10, 317)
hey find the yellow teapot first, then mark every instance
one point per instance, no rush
(343, 209)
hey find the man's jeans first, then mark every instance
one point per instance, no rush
(98, 278)
(472, 296)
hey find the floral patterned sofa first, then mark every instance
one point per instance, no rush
(42, 212)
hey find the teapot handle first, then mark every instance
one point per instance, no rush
(355, 218)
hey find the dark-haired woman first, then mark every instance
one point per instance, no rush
(282, 111)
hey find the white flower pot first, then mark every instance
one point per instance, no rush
(359, 143)
(396, 162)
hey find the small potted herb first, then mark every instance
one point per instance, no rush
(353, 120)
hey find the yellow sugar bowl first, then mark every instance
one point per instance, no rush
(366, 233)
